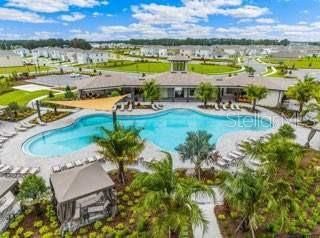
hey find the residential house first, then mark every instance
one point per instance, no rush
(9, 59)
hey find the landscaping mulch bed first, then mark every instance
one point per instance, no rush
(52, 116)
(19, 116)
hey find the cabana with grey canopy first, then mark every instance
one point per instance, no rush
(83, 195)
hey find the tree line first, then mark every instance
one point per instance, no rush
(207, 42)
(32, 44)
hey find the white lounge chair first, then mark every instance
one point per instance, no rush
(228, 160)
(158, 106)
(235, 156)
(99, 157)
(130, 107)
(56, 168)
(24, 171)
(14, 172)
(41, 123)
(5, 169)
(10, 133)
(216, 106)
(27, 124)
(233, 107)
(3, 134)
(153, 106)
(92, 159)
(69, 165)
(20, 128)
(238, 107)
(3, 139)
(34, 171)
(121, 107)
(224, 107)
(222, 163)
(78, 163)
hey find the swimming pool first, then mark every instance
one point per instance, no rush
(165, 129)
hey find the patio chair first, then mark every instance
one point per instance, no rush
(10, 133)
(238, 107)
(56, 169)
(24, 171)
(158, 106)
(3, 139)
(224, 107)
(78, 163)
(153, 106)
(27, 124)
(233, 107)
(92, 159)
(34, 171)
(122, 107)
(216, 106)
(20, 128)
(41, 123)
(99, 157)
(5, 169)
(130, 107)
(69, 165)
(222, 164)
(14, 172)
(5, 135)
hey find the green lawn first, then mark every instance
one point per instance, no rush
(303, 63)
(22, 69)
(212, 68)
(131, 66)
(21, 97)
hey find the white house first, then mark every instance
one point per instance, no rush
(22, 52)
(9, 58)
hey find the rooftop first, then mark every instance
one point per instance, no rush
(79, 182)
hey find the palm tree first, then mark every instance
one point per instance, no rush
(151, 91)
(255, 93)
(302, 91)
(196, 148)
(120, 146)
(169, 199)
(243, 192)
(206, 92)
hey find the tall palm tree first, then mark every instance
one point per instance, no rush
(302, 91)
(255, 93)
(196, 148)
(151, 91)
(170, 199)
(243, 192)
(206, 92)
(120, 146)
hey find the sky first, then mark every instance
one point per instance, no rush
(97, 20)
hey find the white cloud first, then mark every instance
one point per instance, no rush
(9, 14)
(75, 16)
(265, 20)
(50, 6)
(97, 14)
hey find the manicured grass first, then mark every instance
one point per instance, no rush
(212, 68)
(131, 66)
(22, 69)
(20, 97)
(303, 63)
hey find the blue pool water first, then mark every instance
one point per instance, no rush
(166, 129)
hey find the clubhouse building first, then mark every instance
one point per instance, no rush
(180, 85)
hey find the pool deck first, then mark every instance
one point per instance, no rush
(12, 153)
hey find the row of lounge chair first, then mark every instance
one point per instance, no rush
(233, 107)
(15, 172)
(24, 126)
(5, 136)
(122, 107)
(77, 163)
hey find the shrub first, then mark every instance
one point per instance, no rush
(5, 235)
(43, 229)
(38, 224)
(107, 230)
(13, 225)
(115, 93)
(125, 197)
(92, 234)
(132, 221)
(137, 194)
(48, 235)
(121, 208)
(28, 234)
(123, 214)
(19, 231)
(130, 203)
(97, 225)
(221, 217)
(83, 231)
(50, 94)
(109, 219)
(127, 189)
(120, 226)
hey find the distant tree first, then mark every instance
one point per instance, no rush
(115, 93)
(255, 93)
(287, 131)
(206, 92)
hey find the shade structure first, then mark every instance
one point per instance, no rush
(100, 104)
